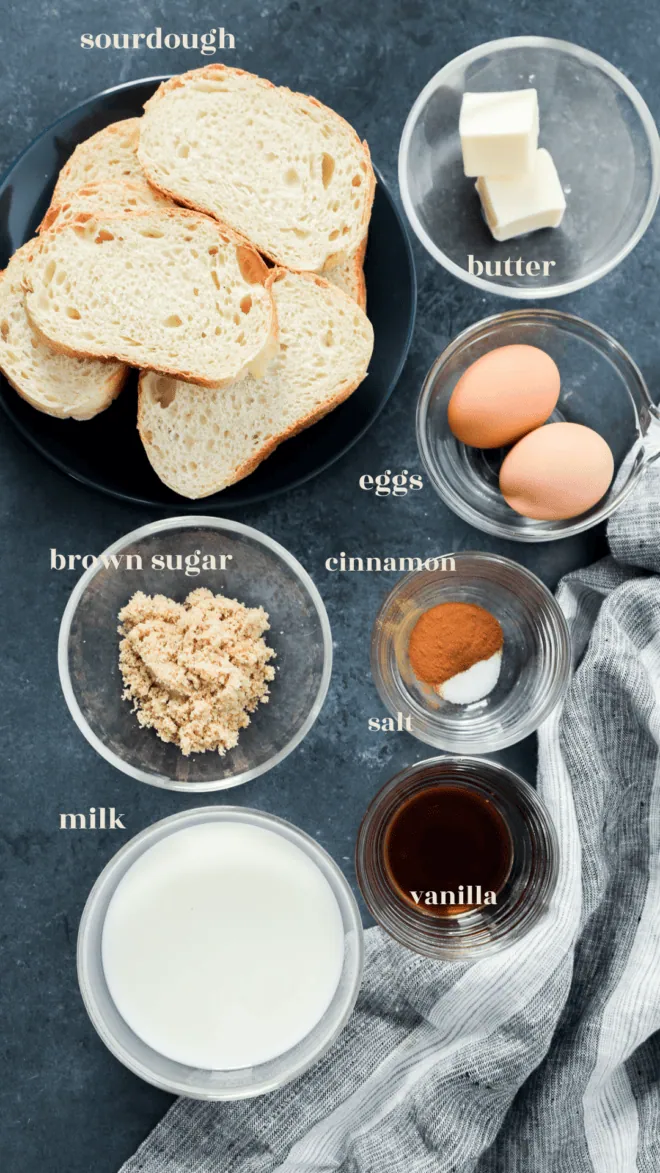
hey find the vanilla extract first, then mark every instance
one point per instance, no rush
(456, 857)
(447, 850)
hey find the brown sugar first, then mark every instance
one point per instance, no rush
(194, 670)
(450, 638)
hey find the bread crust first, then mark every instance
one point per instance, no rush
(62, 189)
(267, 449)
(228, 236)
(218, 70)
(113, 389)
(359, 276)
(57, 211)
(359, 293)
(113, 386)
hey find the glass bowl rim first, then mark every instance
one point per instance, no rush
(588, 57)
(190, 521)
(341, 889)
(562, 321)
(562, 650)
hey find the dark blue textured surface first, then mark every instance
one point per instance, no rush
(65, 1104)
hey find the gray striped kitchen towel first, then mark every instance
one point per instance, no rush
(546, 1057)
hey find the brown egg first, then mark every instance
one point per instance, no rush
(557, 472)
(503, 395)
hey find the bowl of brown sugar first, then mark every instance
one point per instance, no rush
(472, 656)
(194, 653)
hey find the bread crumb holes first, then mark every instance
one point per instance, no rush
(327, 169)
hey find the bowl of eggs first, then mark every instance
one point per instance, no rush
(535, 425)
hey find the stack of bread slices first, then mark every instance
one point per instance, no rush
(216, 244)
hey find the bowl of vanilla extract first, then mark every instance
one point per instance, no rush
(457, 857)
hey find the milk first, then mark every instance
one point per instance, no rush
(222, 945)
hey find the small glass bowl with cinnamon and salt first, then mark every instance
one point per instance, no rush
(495, 638)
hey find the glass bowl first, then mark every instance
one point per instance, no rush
(536, 658)
(523, 901)
(600, 386)
(178, 1078)
(600, 134)
(259, 572)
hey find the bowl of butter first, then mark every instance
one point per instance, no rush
(529, 167)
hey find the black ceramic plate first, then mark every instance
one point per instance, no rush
(106, 452)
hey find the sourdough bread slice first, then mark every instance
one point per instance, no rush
(109, 156)
(349, 276)
(164, 290)
(287, 173)
(112, 198)
(53, 383)
(201, 441)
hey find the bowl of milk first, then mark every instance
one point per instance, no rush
(220, 953)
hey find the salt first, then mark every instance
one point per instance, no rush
(465, 688)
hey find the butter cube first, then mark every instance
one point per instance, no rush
(516, 204)
(499, 132)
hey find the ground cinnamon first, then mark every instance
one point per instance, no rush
(450, 638)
